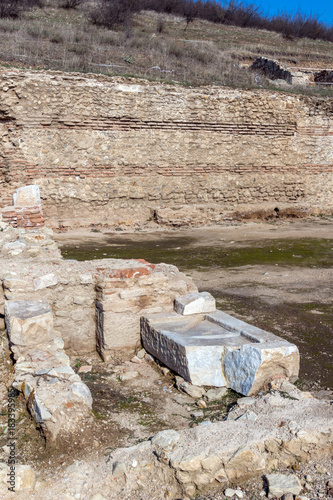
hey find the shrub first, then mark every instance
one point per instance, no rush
(238, 13)
(13, 8)
(160, 26)
(111, 12)
(10, 9)
(71, 4)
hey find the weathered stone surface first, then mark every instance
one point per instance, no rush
(245, 402)
(248, 415)
(28, 323)
(153, 172)
(45, 281)
(281, 484)
(15, 246)
(98, 496)
(192, 390)
(226, 453)
(229, 493)
(195, 303)
(140, 289)
(166, 439)
(178, 342)
(219, 350)
(215, 394)
(57, 398)
(27, 196)
(70, 288)
(85, 369)
(130, 375)
(25, 477)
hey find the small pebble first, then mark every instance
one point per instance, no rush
(197, 414)
(135, 359)
(85, 369)
(321, 469)
(128, 376)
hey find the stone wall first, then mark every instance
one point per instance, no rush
(113, 151)
(272, 69)
(324, 76)
(119, 291)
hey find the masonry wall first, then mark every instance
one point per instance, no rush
(115, 150)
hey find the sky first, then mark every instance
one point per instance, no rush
(322, 8)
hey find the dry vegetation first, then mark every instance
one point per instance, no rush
(154, 46)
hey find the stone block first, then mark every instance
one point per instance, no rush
(27, 196)
(166, 439)
(116, 330)
(181, 343)
(45, 281)
(25, 477)
(281, 484)
(28, 323)
(215, 394)
(195, 303)
(219, 350)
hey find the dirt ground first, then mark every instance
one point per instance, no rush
(276, 275)
(289, 294)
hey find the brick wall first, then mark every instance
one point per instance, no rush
(115, 150)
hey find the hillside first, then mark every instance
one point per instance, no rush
(157, 48)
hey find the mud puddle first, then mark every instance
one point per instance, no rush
(186, 256)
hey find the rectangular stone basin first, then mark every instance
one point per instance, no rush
(219, 350)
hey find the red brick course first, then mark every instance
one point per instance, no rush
(26, 217)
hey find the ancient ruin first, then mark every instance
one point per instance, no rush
(54, 308)
(90, 151)
(116, 152)
(216, 349)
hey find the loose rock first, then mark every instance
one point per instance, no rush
(281, 484)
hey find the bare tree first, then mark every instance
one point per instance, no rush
(190, 11)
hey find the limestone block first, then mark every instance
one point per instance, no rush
(45, 281)
(188, 345)
(27, 196)
(195, 303)
(15, 246)
(83, 392)
(166, 439)
(281, 484)
(25, 477)
(245, 463)
(39, 412)
(219, 350)
(28, 323)
(215, 394)
(252, 366)
(115, 330)
(192, 390)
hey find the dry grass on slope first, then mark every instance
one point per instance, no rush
(158, 48)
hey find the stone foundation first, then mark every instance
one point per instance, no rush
(116, 292)
(56, 398)
(214, 455)
(113, 152)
